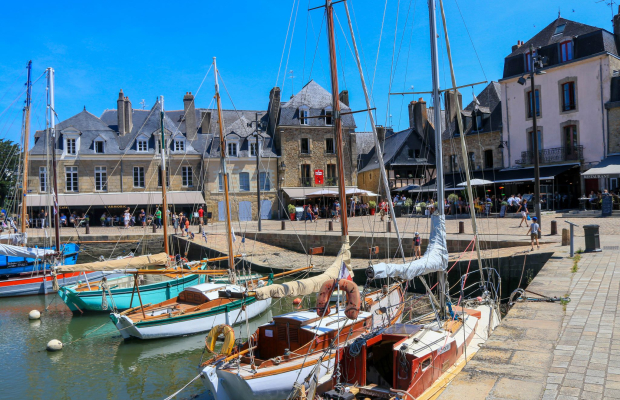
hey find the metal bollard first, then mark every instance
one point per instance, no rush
(88, 229)
(200, 228)
(154, 227)
(388, 227)
(330, 225)
(461, 227)
(565, 237)
(283, 225)
(554, 227)
(572, 242)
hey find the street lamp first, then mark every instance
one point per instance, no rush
(256, 133)
(537, 61)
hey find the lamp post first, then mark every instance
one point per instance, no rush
(257, 134)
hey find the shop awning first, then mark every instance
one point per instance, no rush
(607, 167)
(115, 199)
(300, 193)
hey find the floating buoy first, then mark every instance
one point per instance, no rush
(54, 345)
(297, 301)
(34, 314)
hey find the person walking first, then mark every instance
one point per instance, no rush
(126, 218)
(175, 222)
(142, 217)
(524, 212)
(417, 246)
(201, 214)
(534, 229)
(158, 224)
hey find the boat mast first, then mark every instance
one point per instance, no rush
(220, 120)
(337, 122)
(441, 276)
(26, 145)
(164, 181)
(52, 111)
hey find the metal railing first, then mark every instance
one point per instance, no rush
(305, 181)
(331, 181)
(552, 155)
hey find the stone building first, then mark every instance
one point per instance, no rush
(569, 103)
(303, 133)
(113, 162)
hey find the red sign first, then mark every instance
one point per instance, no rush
(318, 176)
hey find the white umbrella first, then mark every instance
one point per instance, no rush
(370, 194)
(322, 192)
(355, 191)
(476, 182)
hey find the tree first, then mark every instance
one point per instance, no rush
(9, 159)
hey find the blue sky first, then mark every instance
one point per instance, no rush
(164, 48)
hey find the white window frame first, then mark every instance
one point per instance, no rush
(140, 176)
(187, 175)
(241, 187)
(328, 114)
(301, 147)
(253, 144)
(71, 179)
(232, 143)
(101, 179)
(43, 179)
(68, 147)
(220, 177)
(304, 113)
(179, 144)
(97, 141)
(264, 181)
(139, 145)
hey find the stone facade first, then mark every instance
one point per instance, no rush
(477, 144)
(613, 115)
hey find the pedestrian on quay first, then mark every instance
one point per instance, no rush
(126, 218)
(187, 226)
(524, 212)
(417, 246)
(534, 229)
(201, 215)
(175, 222)
(143, 217)
(158, 224)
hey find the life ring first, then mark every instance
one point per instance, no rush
(229, 339)
(322, 300)
(354, 299)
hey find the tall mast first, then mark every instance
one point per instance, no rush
(52, 113)
(164, 181)
(337, 122)
(26, 145)
(220, 120)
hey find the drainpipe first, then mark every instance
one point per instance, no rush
(121, 175)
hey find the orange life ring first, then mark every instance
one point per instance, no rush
(322, 300)
(354, 299)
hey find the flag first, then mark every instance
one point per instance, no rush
(344, 273)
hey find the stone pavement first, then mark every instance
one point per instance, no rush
(545, 350)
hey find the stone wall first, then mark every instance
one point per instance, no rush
(614, 130)
(476, 143)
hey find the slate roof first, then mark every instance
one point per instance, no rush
(316, 98)
(489, 106)
(365, 141)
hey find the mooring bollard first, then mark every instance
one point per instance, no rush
(283, 225)
(565, 239)
(554, 227)
(388, 227)
(330, 225)
(154, 228)
(88, 229)
(461, 227)
(572, 241)
(200, 228)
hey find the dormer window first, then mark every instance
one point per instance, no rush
(142, 145)
(328, 116)
(303, 115)
(232, 149)
(255, 147)
(99, 146)
(179, 145)
(478, 122)
(71, 146)
(559, 29)
(566, 50)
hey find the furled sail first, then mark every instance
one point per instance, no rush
(156, 260)
(27, 252)
(435, 258)
(311, 285)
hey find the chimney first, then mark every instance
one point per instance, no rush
(381, 135)
(191, 129)
(344, 97)
(120, 113)
(419, 115)
(274, 111)
(205, 121)
(516, 46)
(617, 27)
(411, 115)
(128, 116)
(451, 105)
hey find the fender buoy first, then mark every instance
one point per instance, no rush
(229, 339)
(352, 308)
(322, 300)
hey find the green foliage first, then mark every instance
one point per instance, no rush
(579, 251)
(422, 204)
(372, 204)
(453, 198)
(576, 260)
(291, 209)
(9, 160)
(408, 202)
(504, 203)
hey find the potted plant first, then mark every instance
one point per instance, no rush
(422, 207)
(453, 199)
(408, 204)
(373, 207)
(291, 211)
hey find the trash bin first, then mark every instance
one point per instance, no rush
(593, 242)
(398, 211)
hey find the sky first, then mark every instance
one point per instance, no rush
(166, 48)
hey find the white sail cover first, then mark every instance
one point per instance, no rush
(435, 258)
(307, 286)
(27, 252)
(140, 262)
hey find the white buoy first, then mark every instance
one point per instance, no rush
(54, 345)
(34, 314)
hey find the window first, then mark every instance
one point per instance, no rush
(99, 146)
(244, 181)
(303, 116)
(142, 145)
(471, 157)
(221, 181)
(329, 146)
(559, 29)
(179, 145)
(330, 175)
(71, 146)
(478, 122)
(531, 140)
(488, 159)
(454, 162)
(304, 146)
(306, 175)
(253, 147)
(410, 153)
(43, 179)
(71, 179)
(416, 153)
(568, 96)
(328, 116)
(159, 176)
(566, 51)
(529, 103)
(265, 183)
(571, 140)
(187, 177)
(138, 177)
(101, 179)
(231, 149)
